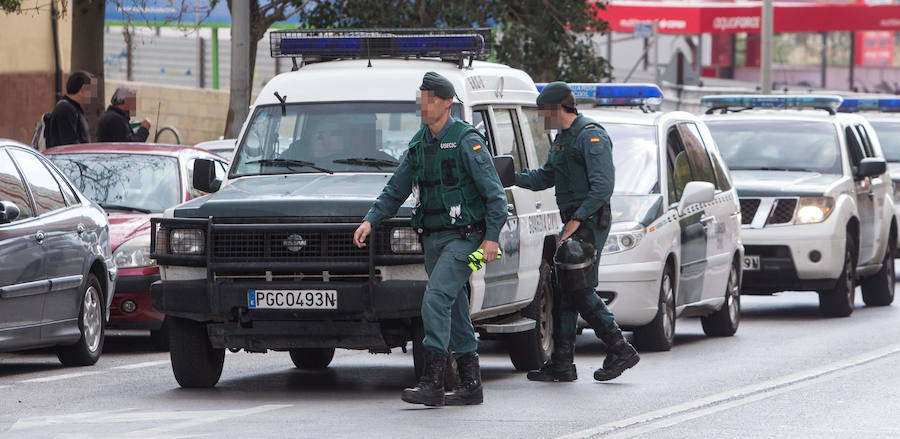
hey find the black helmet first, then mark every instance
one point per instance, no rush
(574, 261)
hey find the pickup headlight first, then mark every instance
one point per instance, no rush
(133, 253)
(618, 242)
(812, 210)
(405, 240)
(187, 241)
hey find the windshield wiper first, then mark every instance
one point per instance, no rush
(109, 206)
(288, 163)
(366, 161)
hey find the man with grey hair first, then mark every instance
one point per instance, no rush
(114, 125)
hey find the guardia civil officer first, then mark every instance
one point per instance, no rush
(580, 167)
(460, 207)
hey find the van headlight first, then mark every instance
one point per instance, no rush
(812, 210)
(187, 241)
(134, 253)
(618, 242)
(405, 240)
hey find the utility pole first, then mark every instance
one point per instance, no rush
(766, 49)
(239, 102)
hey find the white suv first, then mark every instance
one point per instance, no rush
(817, 203)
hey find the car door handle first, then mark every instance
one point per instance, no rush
(538, 204)
(39, 237)
(707, 220)
(79, 229)
(510, 209)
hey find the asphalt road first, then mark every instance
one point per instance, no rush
(787, 373)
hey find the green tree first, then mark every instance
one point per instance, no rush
(550, 40)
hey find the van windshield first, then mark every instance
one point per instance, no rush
(779, 145)
(327, 137)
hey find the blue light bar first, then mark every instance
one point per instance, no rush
(612, 95)
(368, 43)
(825, 102)
(885, 105)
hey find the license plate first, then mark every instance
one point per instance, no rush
(751, 263)
(292, 299)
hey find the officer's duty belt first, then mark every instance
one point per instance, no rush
(463, 231)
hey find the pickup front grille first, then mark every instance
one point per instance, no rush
(748, 209)
(779, 211)
(783, 212)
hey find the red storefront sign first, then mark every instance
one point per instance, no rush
(714, 18)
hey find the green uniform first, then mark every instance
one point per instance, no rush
(459, 203)
(581, 169)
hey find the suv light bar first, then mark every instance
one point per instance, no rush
(829, 103)
(612, 95)
(371, 43)
(884, 105)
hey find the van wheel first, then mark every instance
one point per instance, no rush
(159, 338)
(312, 358)
(195, 362)
(659, 335)
(725, 321)
(878, 290)
(838, 301)
(86, 351)
(529, 350)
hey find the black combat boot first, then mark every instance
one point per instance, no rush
(620, 355)
(468, 391)
(430, 389)
(561, 366)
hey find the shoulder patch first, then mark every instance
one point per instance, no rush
(476, 147)
(595, 139)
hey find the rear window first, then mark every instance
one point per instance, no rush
(780, 145)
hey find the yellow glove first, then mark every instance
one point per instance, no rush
(476, 259)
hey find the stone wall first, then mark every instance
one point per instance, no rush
(197, 114)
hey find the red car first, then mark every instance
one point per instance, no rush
(134, 182)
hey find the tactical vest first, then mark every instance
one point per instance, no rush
(571, 179)
(446, 196)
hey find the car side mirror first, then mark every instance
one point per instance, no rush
(696, 192)
(506, 170)
(8, 212)
(205, 176)
(870, 167)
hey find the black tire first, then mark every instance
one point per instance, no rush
(838, 301)
(312, 358)
(159, 338)
(725, 321)
(451, 376)
(195, 362)
(91, 325)
(878, 290)
(659, 334)
(529, 350)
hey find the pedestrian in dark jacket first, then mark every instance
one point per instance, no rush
(114, 124)
(67, 123)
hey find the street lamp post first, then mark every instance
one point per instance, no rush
(766, 49)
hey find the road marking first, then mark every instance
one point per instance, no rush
(142, 365)
(64, 376)
(669, 416)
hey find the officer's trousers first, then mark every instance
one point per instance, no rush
(445, 305)
(569, 304)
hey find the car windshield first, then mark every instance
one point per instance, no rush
(889, 137)
(129, 182)
(635, 153)
(782, 145)
(339, 137)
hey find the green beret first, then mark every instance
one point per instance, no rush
(553, 93)
(441, 86)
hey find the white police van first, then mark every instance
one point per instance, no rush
(816, 200)
(674, 248)
(884, 116)
(318, 147)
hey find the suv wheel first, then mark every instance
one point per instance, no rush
(725, 321)
(878, 290)
(194, 361)
(529, 350)
(86, 351)
(312, 358)
(659, 335)
(838, 301)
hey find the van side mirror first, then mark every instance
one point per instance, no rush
(8, 212)
(205, 176)
(696, 192)
(871, 167)
(506, 170)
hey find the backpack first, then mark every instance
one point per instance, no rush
(39, 139)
